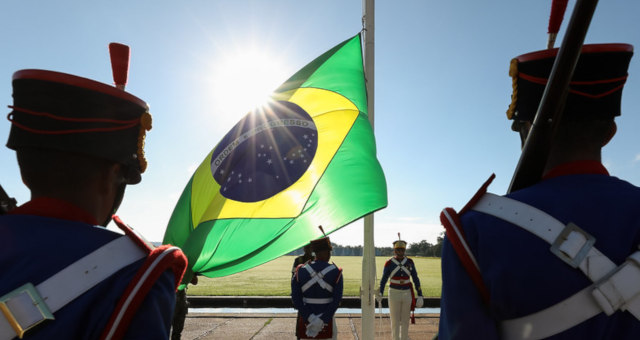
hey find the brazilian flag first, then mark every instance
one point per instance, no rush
(306, 158)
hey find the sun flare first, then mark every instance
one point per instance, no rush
(245, 78)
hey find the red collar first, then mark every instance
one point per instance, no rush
(577, 168)
(51, 207)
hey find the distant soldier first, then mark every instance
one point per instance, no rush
(316, 291)
(181, 310)
(559, 258)
(302, 259)
(399, 270)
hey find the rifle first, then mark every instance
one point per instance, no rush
(6, 203)
(538, 144)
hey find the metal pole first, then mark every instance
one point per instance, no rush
(368, 255)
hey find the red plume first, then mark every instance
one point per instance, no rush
(119, 63)
(555, 20)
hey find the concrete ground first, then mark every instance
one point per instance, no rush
(282, 326)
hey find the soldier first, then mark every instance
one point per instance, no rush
(302, 259)
(181, 310)
(399, 270)
(316, 291)
(79, 143)
(558, 258)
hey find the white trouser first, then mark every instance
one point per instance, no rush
(400, 310)
(335, 329)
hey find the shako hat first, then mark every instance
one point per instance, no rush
(399, 243)
(595, 90)
(59, 111)
(323, 243)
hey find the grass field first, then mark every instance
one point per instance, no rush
(274, 278)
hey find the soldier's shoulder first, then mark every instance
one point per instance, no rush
(298, 269)
(339, 274)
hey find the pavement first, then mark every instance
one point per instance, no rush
(277, 326)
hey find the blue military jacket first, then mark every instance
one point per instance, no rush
(520, 272)
(400, 275)
(315, 290)
(34, 248)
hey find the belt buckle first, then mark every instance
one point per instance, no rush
(24, 309)
(584, 249)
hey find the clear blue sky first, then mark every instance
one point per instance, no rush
(441, 86)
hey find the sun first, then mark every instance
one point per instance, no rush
(245, 78)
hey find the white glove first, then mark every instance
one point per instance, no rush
(419, 302)
(312, 331)
(378, 296)
(314, 318)
(315, 325)
(318, 323)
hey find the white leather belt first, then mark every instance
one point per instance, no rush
(608, 296)
(615, 287)
(568, 242)
(314, 301)
(318, 278)
(400, 282)
(399, 266)
(28, 305)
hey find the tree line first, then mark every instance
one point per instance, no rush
(422, 248)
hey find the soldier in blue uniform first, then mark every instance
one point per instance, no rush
(400, 270)
(558, 259)
(64, 276)
(316, 291)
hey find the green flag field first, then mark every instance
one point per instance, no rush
(273, 278)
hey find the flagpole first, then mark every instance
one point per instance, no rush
(367, 299)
